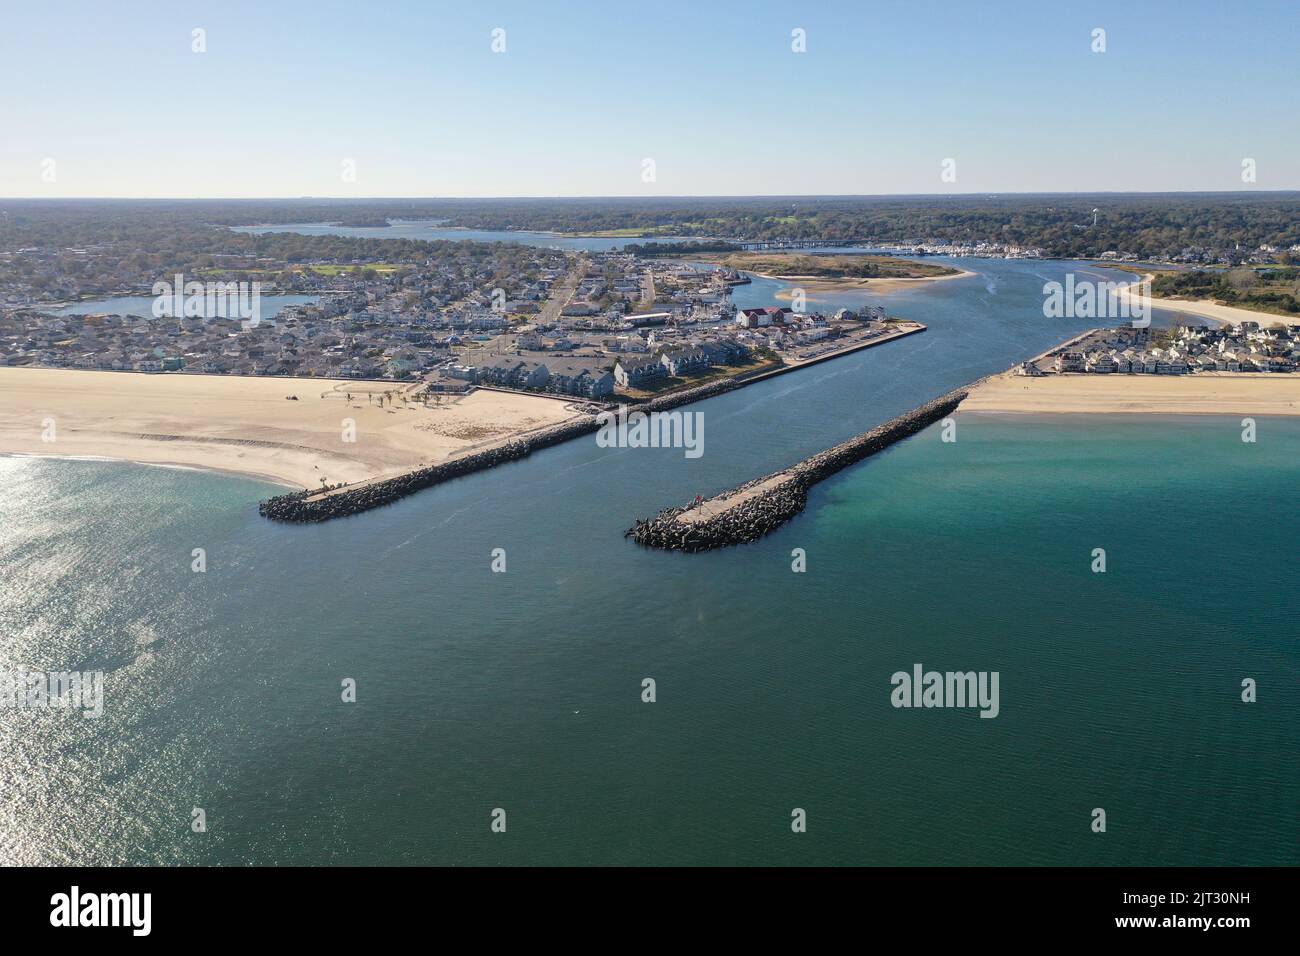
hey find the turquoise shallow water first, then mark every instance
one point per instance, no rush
(522, 690)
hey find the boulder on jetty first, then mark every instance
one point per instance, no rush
(747, 521)
(767, 510)
(314, 505)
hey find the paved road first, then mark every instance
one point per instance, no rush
(562, 293)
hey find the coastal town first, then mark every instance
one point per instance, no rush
(444, 356)
(1263, 254)
(592, 326)
(1242, 348)
(380, 375)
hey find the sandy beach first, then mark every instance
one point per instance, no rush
(248, 426)
(813, 285)
(1209, 309)
(1205, 393)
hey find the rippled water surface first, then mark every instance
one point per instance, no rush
(523, 690)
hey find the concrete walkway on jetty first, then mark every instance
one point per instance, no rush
(758, 507)
(719, 505)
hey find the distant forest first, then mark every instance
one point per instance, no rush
(1062, 226)
(90, 247)
(690, 248)
(1219, 225)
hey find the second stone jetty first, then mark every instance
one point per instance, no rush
(758, 507)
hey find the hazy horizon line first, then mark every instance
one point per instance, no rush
(643, 196)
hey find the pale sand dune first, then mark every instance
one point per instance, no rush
(1205, 393)
(1208, 309)
(813, 285)
(246, 425)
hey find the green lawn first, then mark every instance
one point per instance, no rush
(715, 372)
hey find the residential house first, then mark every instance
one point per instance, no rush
(635, 371)
(685, 361)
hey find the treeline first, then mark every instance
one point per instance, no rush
(1213, 224)
(1273, 290)
(1216, 224)
(86, 247)
(678, 248)
(185, 231)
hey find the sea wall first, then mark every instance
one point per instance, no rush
(765, 512)
(310, 506)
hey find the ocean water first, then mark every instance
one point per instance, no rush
(522, 691)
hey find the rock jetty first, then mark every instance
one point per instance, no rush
(307, 506)
(786, 494)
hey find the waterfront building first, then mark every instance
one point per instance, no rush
(685, 360)
(1070, 362)
(512, 372)
(759, 318)
(580, 376)
(635, 371)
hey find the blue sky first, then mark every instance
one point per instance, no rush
(412, 93)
